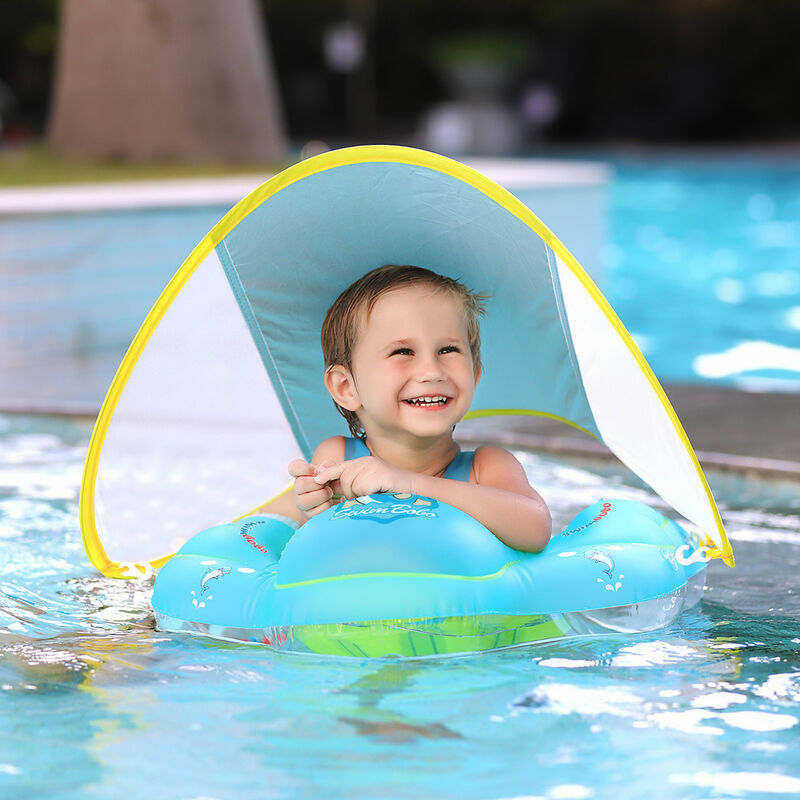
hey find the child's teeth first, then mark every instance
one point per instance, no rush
(428, 401)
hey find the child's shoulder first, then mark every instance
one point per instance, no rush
(491, 463)
(331, 449)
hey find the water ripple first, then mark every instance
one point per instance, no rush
(77, 643)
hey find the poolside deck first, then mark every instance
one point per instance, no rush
(727, 428)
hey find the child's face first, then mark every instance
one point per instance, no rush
(412, 366)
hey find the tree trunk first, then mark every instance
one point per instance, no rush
(185, 80)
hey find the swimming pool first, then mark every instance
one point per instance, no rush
(95, 703)
(703, 267)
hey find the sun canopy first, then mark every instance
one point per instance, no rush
(222, 386)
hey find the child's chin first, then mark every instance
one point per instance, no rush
(428, 428)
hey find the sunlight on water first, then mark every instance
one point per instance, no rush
(703, 267)
(95, 703)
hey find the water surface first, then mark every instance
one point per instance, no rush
(96, 703)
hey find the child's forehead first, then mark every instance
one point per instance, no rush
(408, 296)
(406, 303)
(408, 310)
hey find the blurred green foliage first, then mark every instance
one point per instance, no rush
(34, 165)
(478, 48)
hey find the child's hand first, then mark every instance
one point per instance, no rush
(311, 496)
(362, 476)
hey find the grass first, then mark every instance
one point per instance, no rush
(36, 165)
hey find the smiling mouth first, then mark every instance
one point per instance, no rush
(434, 401)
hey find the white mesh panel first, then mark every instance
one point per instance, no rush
(629, 415)
(198, 436)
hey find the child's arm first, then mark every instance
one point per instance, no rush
(501, 499)
(284, 505)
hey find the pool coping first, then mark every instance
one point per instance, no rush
(542, 173)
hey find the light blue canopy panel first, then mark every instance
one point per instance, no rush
(290, 258)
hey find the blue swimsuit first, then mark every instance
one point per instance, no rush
(457, 470)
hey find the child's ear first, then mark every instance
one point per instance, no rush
(478, 372)
(342, 387)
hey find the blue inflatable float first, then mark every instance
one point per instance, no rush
(409, 576)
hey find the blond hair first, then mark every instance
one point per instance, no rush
(353, 306)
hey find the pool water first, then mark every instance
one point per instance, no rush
(703, 267)
(96, 703)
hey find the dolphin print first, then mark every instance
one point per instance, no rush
(213, 575)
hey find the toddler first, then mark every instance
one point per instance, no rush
(402, 359)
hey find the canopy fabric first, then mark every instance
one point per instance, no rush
(223, 384)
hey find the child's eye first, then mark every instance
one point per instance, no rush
(402, 351)
(451, 348)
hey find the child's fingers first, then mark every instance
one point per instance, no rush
(309, 501)
(298, 467)
(329, 472)
(306, 484)
(344, 483)
(312, 512)
(323, 466)
(352, 478)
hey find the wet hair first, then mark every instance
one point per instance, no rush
(352, 308)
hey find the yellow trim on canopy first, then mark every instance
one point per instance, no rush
(480, 413)
(299, 171)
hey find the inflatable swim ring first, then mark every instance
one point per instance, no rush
(409, 576)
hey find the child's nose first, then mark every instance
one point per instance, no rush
(429, 368)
